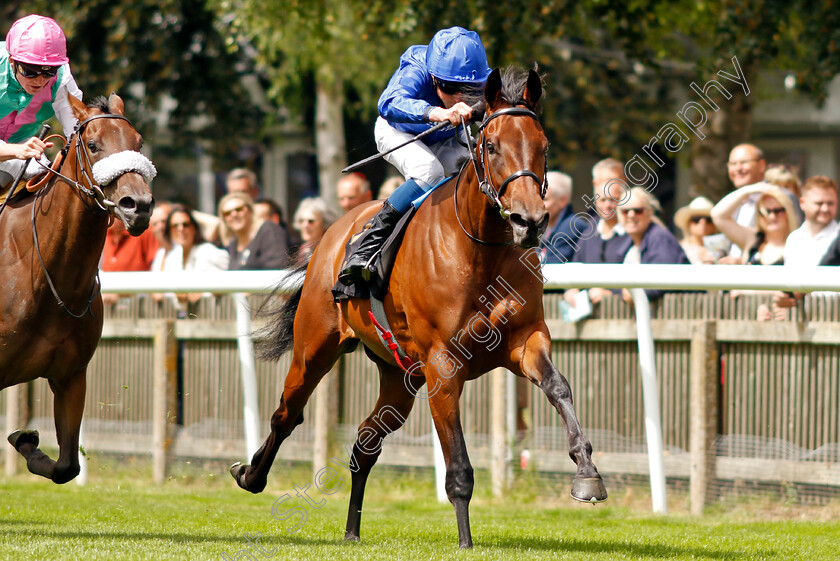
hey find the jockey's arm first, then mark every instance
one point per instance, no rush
(61, 105)
(32, 148)
(402, 101)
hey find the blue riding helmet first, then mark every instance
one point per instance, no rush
(457, 55)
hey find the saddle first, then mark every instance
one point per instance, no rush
(18, 193)
(383, 262)
(377, 287)
(25, 188)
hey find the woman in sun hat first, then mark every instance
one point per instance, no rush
(695, 222)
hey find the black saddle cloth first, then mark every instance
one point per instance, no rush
(382, 265)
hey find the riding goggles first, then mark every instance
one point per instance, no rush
(451, 88)
(30, 71)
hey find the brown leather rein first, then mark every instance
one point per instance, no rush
(84, 170)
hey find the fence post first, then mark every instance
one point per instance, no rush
(325, 418)
(17, 417)
(703, 410)
(498, 436)
(164, 397)
(12, 424)
(650, 398)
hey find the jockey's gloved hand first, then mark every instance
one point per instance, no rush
(34, 168)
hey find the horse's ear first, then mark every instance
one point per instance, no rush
(115, 104)
(533, 89)
(493, 89)
(80, 110)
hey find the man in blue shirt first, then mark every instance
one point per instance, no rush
(429, 87)
(559, 242)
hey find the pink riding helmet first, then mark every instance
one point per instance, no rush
(37, 40)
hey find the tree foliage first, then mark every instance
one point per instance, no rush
(154, 51)
(610, 67)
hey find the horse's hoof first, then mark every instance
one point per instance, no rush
(21, 437)
(589, 490)
(351, 537)
(236, 471)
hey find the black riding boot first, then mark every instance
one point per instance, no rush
(362, 249)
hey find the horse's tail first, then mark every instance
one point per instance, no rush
(277, 336)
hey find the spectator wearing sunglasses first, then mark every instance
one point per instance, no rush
(764, 243)
(435, 83)
(647, 241)
(35, 80)
(190, 252)
(255, 244)
(695, 223)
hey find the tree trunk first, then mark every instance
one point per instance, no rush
(727, 128)
(329, 136)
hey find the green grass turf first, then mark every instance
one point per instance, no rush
(200, 514)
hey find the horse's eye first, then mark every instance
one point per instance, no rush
(92, 146)
(491, 148)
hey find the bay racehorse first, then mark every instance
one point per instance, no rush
(459, 301)
(50, 246)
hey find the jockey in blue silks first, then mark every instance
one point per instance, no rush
(427, 88)
(35, 79)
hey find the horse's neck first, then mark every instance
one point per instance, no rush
(481, 219)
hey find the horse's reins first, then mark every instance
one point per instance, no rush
(94, 191)
(482, 171)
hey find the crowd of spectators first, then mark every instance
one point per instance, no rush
(770, 217)
(248, 232)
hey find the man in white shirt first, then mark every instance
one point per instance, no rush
(746, 166)
(807, 244)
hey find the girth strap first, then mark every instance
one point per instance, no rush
(386, 335)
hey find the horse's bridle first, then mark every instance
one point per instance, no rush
(482, 170)
(84, 165)
(94, 191)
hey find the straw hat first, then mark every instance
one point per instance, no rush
(701, 206)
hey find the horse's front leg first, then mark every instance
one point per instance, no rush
(535, 364)
(69, 405)
(443, 402)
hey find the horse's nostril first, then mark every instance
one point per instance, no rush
(127, 203)
(518, 221)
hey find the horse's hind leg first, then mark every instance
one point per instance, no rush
(68, 408)
(396, 398)
(537, 366)
(310, 362)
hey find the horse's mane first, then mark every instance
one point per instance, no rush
(514, 79)
(101, 103)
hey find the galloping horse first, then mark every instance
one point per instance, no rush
(50, 245)
(459, 301)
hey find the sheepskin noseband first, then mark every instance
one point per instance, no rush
(110, 168)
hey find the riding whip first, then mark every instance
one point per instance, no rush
(477, 108)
